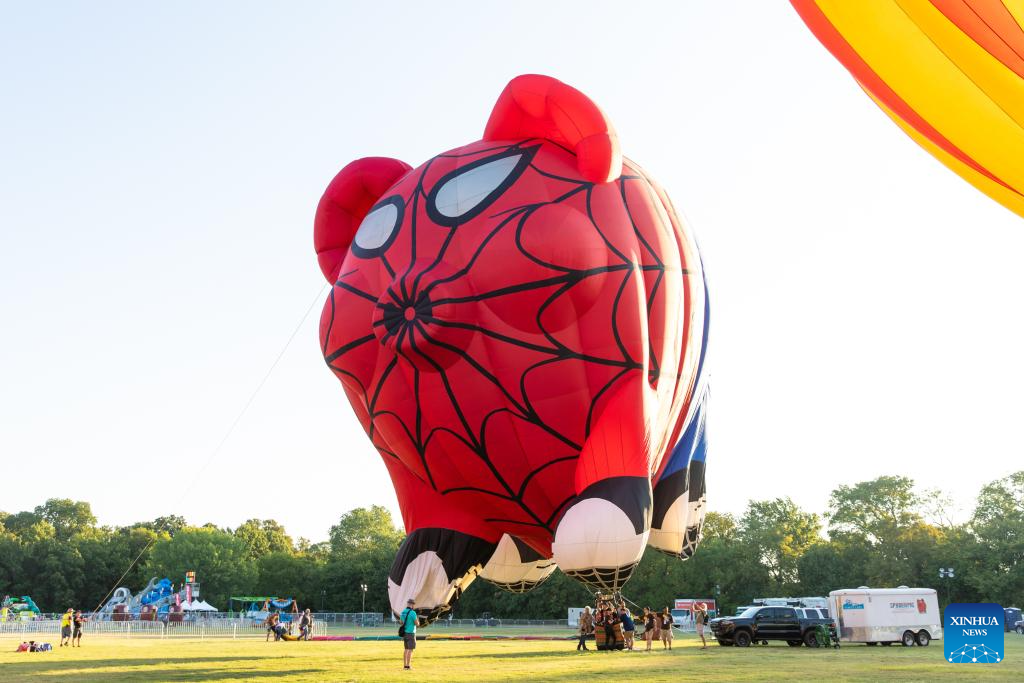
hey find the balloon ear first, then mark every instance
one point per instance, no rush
(346, 201)
(541, 106)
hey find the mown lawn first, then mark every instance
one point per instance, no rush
(110, 659)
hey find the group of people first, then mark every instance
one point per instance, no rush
(71, 624)
(281, 632)
(654, 626)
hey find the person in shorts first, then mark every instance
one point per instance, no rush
(76, 633)
(409, 620)
(650, 619)
(666, 629)
(628, 628)
(65, 627)
(701, 618)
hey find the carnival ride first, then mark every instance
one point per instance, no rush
(18, 609)
(158, 600)
(260, 606)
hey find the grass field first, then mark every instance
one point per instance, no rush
(113, 659)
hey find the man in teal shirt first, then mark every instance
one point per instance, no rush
(409, 620)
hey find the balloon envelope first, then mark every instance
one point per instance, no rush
(520, 325)
(950, 73)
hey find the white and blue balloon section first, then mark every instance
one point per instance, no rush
(160, 600)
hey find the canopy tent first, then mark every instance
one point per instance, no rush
(199, 606)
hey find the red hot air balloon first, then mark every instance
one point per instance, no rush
(520, 326)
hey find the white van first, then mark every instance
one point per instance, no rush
(886, 615)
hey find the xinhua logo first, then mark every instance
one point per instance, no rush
(973, 633)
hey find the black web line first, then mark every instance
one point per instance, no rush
(330, 325)
(523, 408)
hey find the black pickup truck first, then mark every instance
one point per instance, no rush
(761, 624)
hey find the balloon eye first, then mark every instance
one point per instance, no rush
(379, 228)
(465, 192)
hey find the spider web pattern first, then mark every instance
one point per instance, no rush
(974, 654)
(406, 291)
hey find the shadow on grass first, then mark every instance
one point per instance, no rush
(190, 674)
(202, 668)
(520, 654)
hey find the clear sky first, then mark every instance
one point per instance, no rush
(159, 169)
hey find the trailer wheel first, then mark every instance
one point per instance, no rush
(742, 639)
(810, 639)
(908, 639)
(871, 644)
(923, 638)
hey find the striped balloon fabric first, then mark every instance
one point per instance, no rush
(950, 73)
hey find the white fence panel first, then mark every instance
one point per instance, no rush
(214, 628)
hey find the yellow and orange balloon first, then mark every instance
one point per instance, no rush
(950, 73)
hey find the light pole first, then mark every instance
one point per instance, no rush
(323, 596)
(362, 616)
(947, 574)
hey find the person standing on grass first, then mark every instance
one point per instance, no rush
(628, 628)
(650, 619)
(666, 629)
(305, 625)
(409, 620)
(610, 619)
(702, 619)
(76, 633)
(65, 627)
(271, 623)
(586, 627)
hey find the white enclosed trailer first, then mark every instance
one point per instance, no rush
(886, 615)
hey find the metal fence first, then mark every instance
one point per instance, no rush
(200, 629)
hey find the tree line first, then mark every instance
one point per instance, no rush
(883, 532)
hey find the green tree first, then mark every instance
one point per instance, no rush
(171, 524)
(12, 573)
(20, 523)
(68, 517)
(779, 532)
(289, 575)
(998, 525)
(362, 546)
(876, 509)
(263, 537)
(364, 528)
(719, 525)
